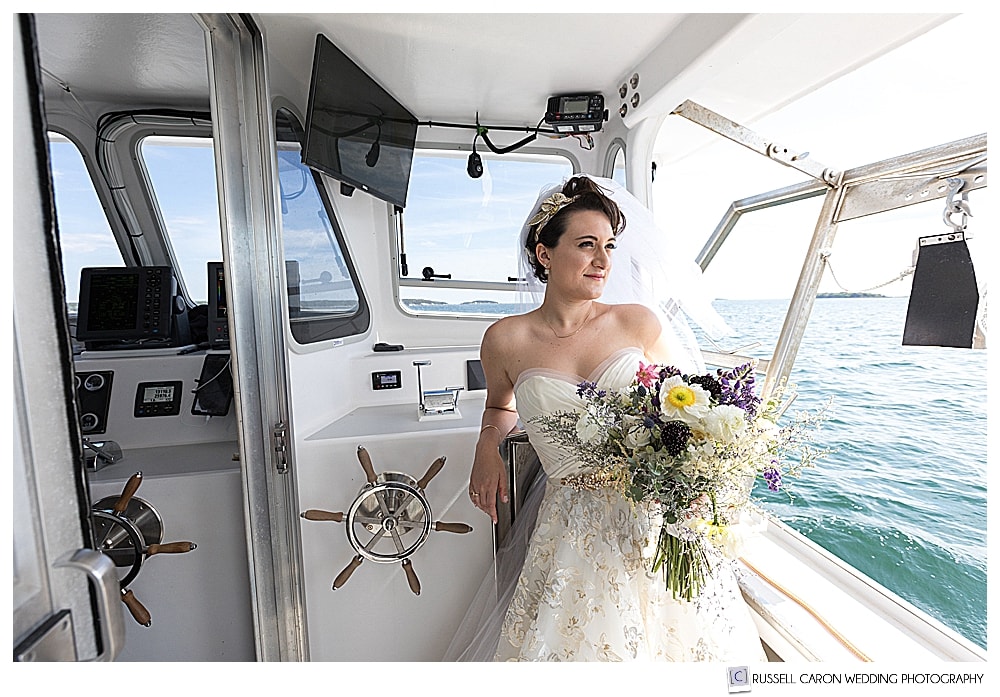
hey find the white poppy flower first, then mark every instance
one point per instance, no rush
(683, 402)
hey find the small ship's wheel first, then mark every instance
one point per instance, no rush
(121, 540)
(389, 520)
(129, 530)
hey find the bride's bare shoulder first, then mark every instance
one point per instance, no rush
(638, 323)
(634, 315)
(506, 332)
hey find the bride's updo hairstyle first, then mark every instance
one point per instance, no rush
(551, 220)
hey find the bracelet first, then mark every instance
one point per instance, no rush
(483, 429)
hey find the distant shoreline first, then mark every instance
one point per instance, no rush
(850, 295)
(819, 295)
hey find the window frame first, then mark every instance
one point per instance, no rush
(125, 255)
(140, 230)
(399, 282)
(149, 193)
(328, 327)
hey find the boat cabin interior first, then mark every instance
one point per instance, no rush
(262, 251)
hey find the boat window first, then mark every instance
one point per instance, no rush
(895, 439)
(181, 172)
(324, 297)
(85, 237)
(459, 235)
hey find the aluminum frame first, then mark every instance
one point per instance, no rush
(867, 190)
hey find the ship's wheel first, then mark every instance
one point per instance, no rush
(129, 530)
(389, 519)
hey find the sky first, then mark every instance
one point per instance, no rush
(923, 94)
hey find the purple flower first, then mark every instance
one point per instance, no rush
(738, 389)
(773, 477)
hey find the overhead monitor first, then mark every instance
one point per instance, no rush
(356, 132)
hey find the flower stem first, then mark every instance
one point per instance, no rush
(683, 563)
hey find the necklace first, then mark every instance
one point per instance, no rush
(576, 331)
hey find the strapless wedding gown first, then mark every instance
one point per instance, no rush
(585, 591)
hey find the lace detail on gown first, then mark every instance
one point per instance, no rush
(585, 592)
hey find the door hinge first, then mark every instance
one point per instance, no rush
(280, 447)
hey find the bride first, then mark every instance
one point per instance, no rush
(582, 589)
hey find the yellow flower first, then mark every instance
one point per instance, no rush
(679, 400)
(681, 396)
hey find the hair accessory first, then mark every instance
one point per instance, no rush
(550, 206)
(650, 269)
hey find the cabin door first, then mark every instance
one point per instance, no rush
(244, 144)
(66, 595)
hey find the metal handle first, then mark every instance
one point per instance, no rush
(104, 576)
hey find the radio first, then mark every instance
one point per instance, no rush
(576, 113)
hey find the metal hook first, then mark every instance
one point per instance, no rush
(952, 206)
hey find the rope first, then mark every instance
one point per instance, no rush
(899, 277)
(826, 625)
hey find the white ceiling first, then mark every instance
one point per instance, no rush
(448, 67)
(148, 59)
(503, 66)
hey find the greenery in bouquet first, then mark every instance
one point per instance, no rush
(689, 447)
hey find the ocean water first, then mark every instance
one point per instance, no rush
(903, 496)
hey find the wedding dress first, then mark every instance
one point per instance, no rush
(585, 591)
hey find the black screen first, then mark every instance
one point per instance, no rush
(356, 131)
(125, 304)
(114, 301)
(218, 305)
(220, 293)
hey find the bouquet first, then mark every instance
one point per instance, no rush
(689, 446)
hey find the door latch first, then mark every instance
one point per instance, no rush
(280, 447)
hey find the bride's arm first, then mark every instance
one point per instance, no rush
(489, 474)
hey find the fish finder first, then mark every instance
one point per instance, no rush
(576, 113)
(131, 307)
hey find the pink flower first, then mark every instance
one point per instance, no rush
(647, 374)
